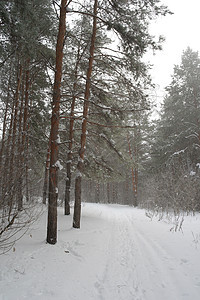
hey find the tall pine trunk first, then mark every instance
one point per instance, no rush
(134, 172)
(53, 172)
(3, 139)
(23, 122)
(71, 134)
(77, 204)
(12, 182)
(19, 146)
(108, 191)
(25, 136)
(46, 173)
(71, 130)
(5, 177)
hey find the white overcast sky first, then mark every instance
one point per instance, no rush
(182, 29)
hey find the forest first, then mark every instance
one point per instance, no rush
(99, 179)
(76, 113)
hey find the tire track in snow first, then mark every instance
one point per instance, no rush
(139, 268)
(165, 276)
(119, 280)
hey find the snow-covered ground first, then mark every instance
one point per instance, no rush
(118, 254)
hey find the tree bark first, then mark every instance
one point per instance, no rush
(97, 192)
(108, 192)
(77, 204)
(5, 177)
(25, 137)
(14, 130)
(134, 173)
(3, 138)
(23, 143)
(68, 185)
(20, 154)
(12, 185)
(46, 174)
(53, 172)
(113, 193)
(71, 134)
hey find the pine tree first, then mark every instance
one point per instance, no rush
(77, 205)
(27, 29)
(179, 127)
(175, 151)
(54, 135)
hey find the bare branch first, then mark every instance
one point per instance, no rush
(110, 126)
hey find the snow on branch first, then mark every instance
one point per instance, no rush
(111, 143)
(58, 165)
(179, 152)
(10, 223)
(110, 126)
(103, 165)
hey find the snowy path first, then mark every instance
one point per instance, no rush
(119, 254)
(140, 267)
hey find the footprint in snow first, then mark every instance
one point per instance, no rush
(184, 261)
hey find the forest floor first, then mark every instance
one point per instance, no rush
(118, 254)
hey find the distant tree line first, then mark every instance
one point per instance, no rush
(172, 182)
